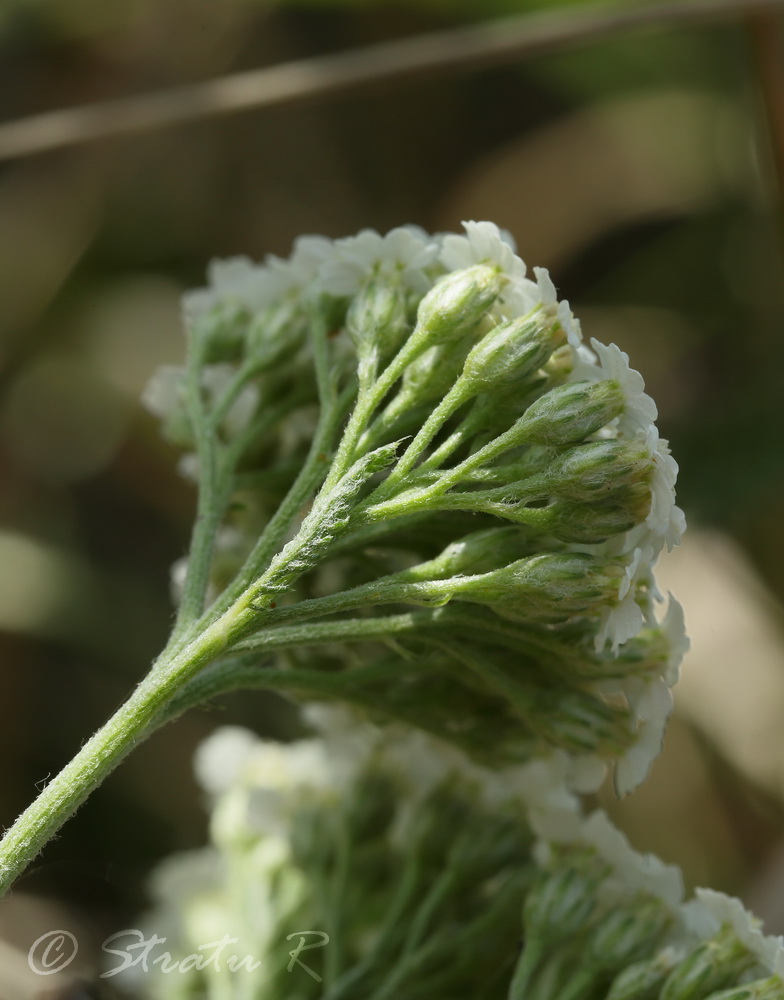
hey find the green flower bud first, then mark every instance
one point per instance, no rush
(561, 902)
(626, 934)
(570, 413)
(513, 350)
(456, 303)
(548, 588)
(377, 319)
(580, 722)
(762, 989)
(594, 490)
(713, 965)
(220, 331)
(588, 523)
(591, 471)
(643, 980)
(276, 333)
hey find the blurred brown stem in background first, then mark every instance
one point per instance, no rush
(767, 38)
(492, 43)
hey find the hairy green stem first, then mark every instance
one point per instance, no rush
(104, 751)
(451, 402)
(211, 501)
(368, 400)
(305, 485)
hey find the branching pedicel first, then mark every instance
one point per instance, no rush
(420, 495)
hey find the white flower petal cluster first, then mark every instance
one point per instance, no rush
(309, 256)
(421, 763)
(674, 629)
(623, 620)
(165, 390)
(258, 286)
(234, 280)
(711, 911)
(652, 703)
(255, 785)
(631, 872)
(483, 243)
(401, 252)
(608, 361)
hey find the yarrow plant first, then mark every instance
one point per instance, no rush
(423, 497)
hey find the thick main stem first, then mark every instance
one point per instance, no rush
(104, 751)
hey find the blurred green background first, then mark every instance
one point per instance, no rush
(641, 169)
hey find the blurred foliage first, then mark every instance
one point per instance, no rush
(637, 168)
(81, 18)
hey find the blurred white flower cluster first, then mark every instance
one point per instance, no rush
(420, 870)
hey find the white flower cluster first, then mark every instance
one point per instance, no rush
(341, 267)
(754, 956)
(319, 270)
(261, 792)
(630, 871)
(253, 782)
(274, 808)
(710, 911)
(665, 521)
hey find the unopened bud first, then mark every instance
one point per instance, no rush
(570, 413)
(377, 318)
(588, 523)
(587, 494)
(220, 331)
(431, 376)
(643, 980)
(596, 469)
(561, 902)
(513, 350)
(548, 588)
(713, 965)
(626, 934)
(456, 303)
